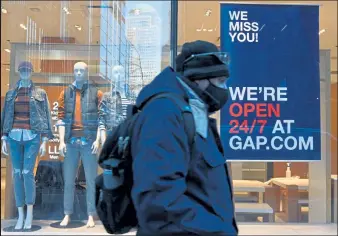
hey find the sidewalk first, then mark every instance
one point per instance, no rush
(245, 229)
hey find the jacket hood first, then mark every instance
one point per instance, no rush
(165, 82)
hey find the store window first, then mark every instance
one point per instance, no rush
(303, 188)
(72, 55)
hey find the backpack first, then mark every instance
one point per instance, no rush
(113, 201)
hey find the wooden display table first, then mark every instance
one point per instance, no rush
(293, 203)
(301, 184)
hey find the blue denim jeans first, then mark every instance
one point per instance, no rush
(76, 151)
(23, 156)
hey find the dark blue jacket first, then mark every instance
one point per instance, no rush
(177, 191)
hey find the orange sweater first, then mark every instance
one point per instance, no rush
(77, 126)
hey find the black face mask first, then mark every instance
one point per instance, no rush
(215, 97)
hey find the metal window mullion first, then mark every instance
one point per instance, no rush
(173, 32)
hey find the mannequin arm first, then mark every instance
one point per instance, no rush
(100, 136)
(4, 138)
(103, 135)
(49, 118)
(4, 146)
(43, 148)
(103, 106)
(3, 117)
(62, 146)
(61, 125)
(62, 131)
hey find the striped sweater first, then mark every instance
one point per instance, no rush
(21, 109)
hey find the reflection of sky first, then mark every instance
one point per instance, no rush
(162, 8)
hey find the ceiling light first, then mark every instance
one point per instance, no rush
(137, 11)
(3, 10)
(35, 9)
(198, 30)
(78, 27)
(23, 26)
(210, 30)
(65, 9)
(7, 50)
(208, 12)
(204, 30)
(322, 31)
(8, 69)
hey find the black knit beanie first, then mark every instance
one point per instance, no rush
(200, 68)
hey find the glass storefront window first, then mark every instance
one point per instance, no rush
(300, 200)
(120, 46)
(61, 43)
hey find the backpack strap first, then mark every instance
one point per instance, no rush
(189, 122)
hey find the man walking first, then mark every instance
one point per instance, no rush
(181, 188)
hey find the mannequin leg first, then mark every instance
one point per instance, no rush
(16, 150)
(29, 217)
(70, 166)
(19, 223)
(90, 168)
(31, 151)
(90, 222)
(65, 220)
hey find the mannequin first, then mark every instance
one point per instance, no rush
(25, 122)
(80, 138)
(110, 109)
(119, 80)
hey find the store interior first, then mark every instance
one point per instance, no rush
(70, 31)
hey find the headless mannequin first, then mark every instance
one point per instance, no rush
(25, 76)
(81, 76)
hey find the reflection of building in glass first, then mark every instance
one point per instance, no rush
(143, 31)
(114, 46)
(115, 50)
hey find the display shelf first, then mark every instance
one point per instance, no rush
(254, 170)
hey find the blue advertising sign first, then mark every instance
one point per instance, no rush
(273, 113)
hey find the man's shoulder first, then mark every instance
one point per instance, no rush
(165, 107)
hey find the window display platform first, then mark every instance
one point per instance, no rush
(245, 229)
